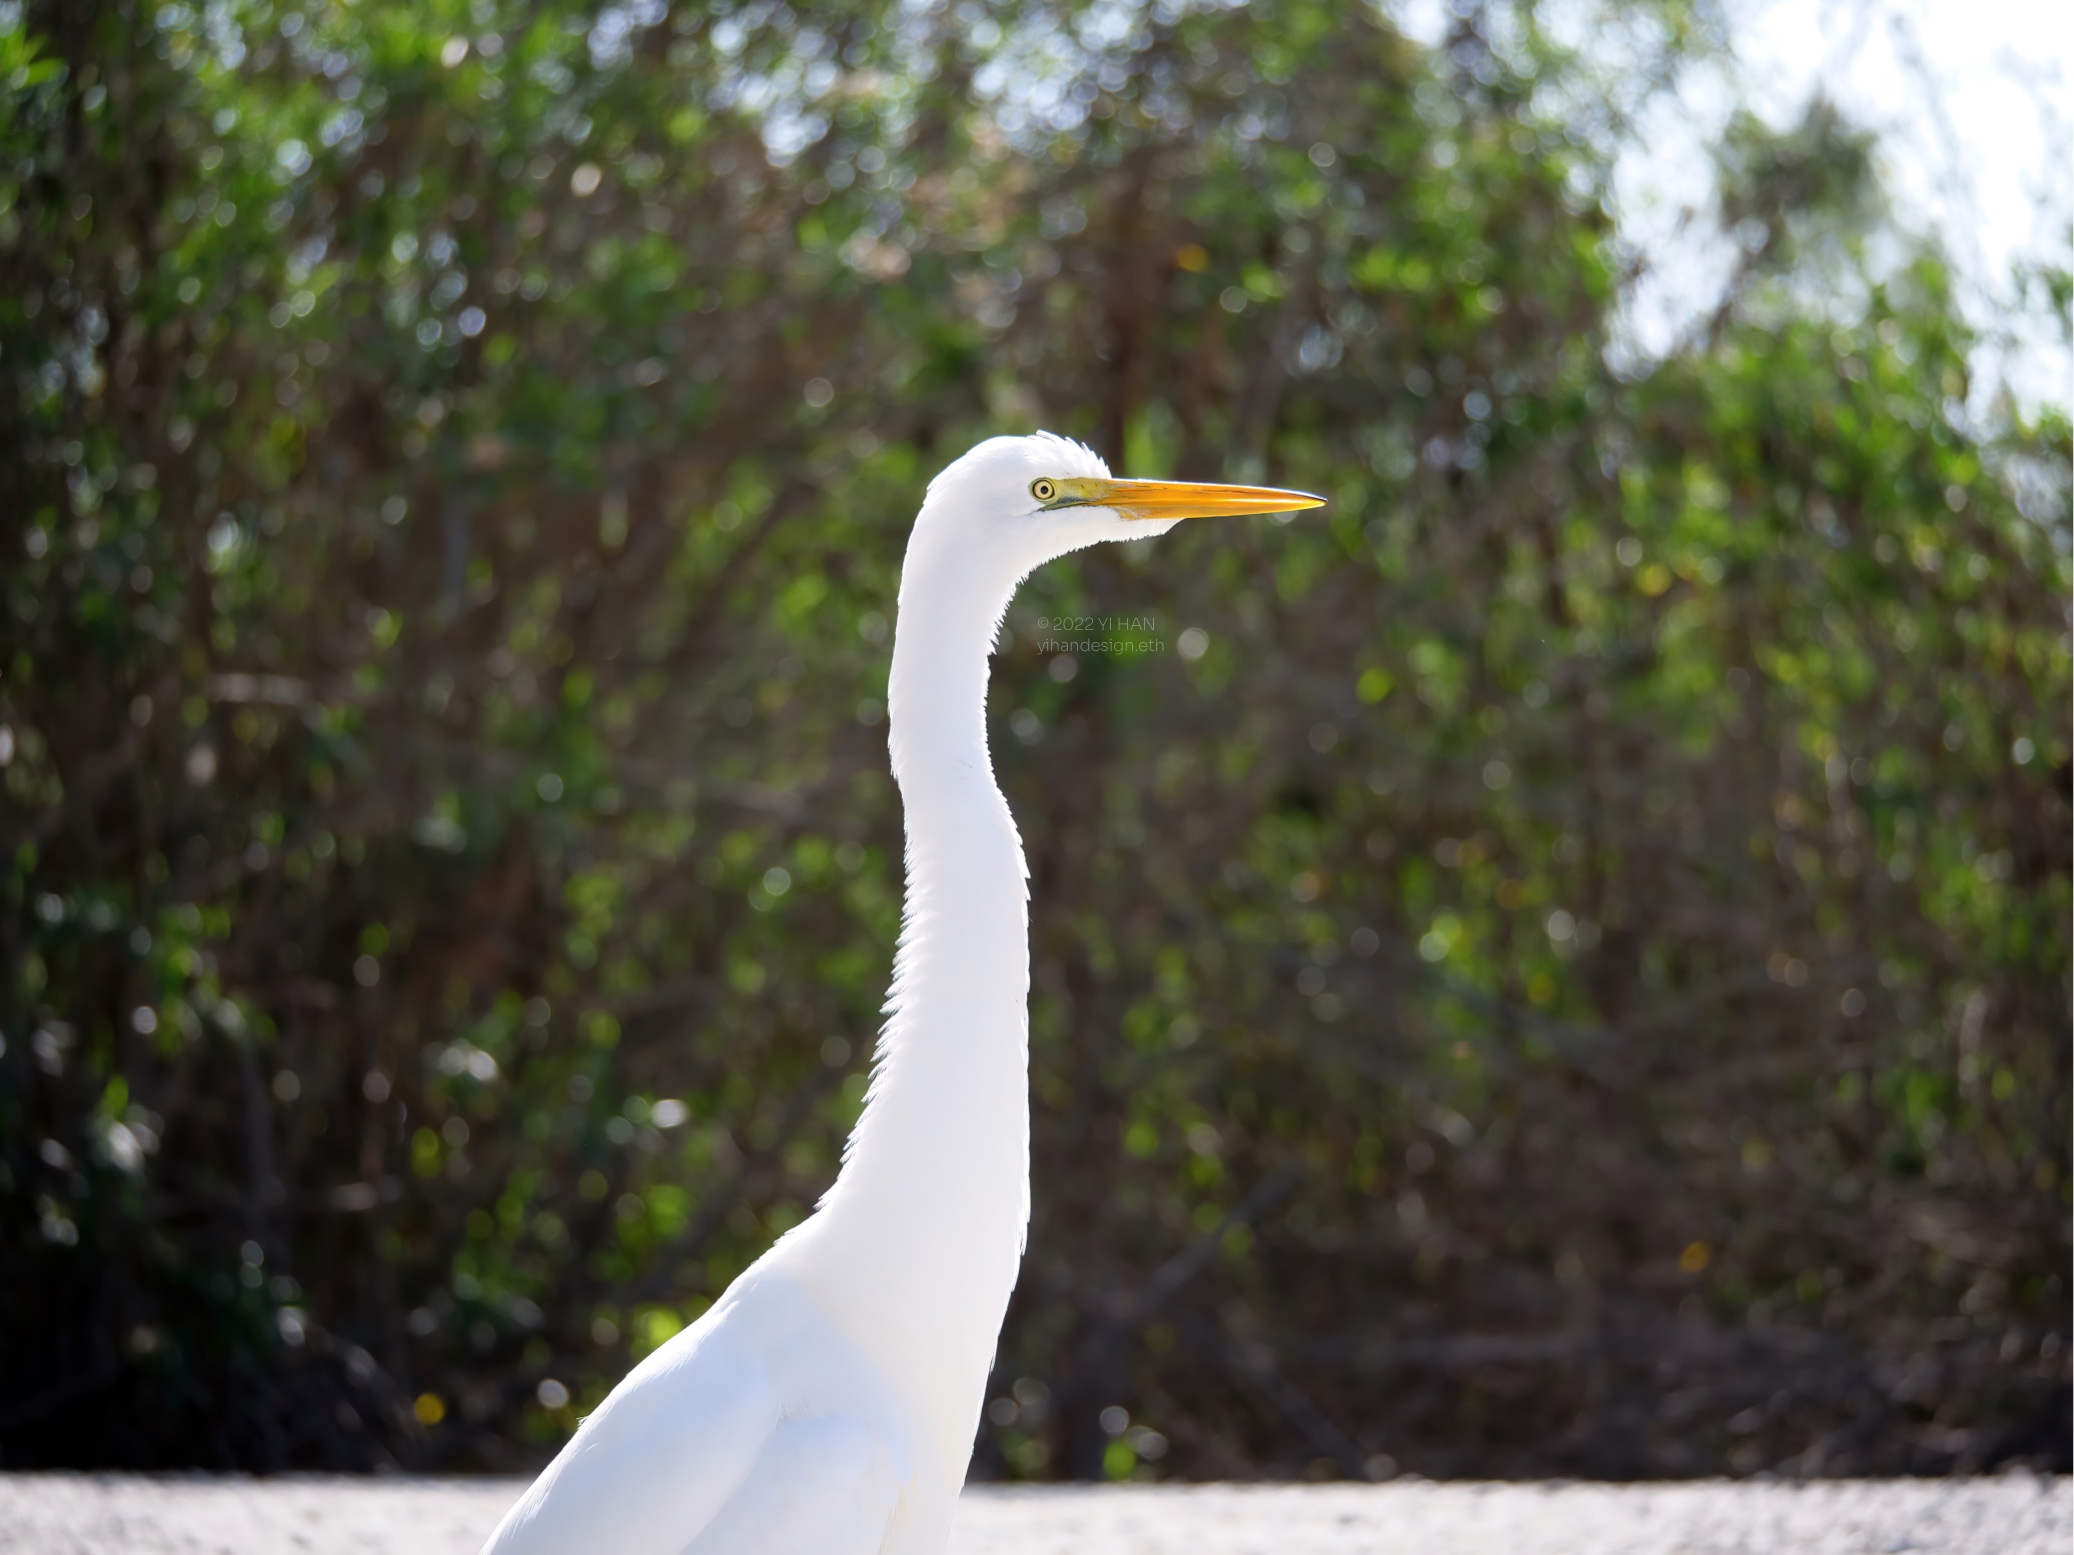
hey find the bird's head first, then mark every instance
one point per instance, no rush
(1029, 499)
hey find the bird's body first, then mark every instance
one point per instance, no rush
(827, 1403)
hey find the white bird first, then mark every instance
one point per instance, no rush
(828, 1402)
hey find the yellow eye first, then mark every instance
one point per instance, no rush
(1044, 490)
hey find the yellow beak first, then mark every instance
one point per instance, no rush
(1178, 499)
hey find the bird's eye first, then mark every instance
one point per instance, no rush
(1044, 490)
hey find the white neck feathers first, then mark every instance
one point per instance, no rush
(925, 1223)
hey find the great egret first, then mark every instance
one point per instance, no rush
(827, 1403)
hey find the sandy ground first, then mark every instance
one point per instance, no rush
(111, 1515)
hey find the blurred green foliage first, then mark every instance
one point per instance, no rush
(1557, 963)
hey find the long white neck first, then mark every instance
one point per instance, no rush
(921, 1236)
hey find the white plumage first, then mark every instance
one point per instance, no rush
(827, 1403)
